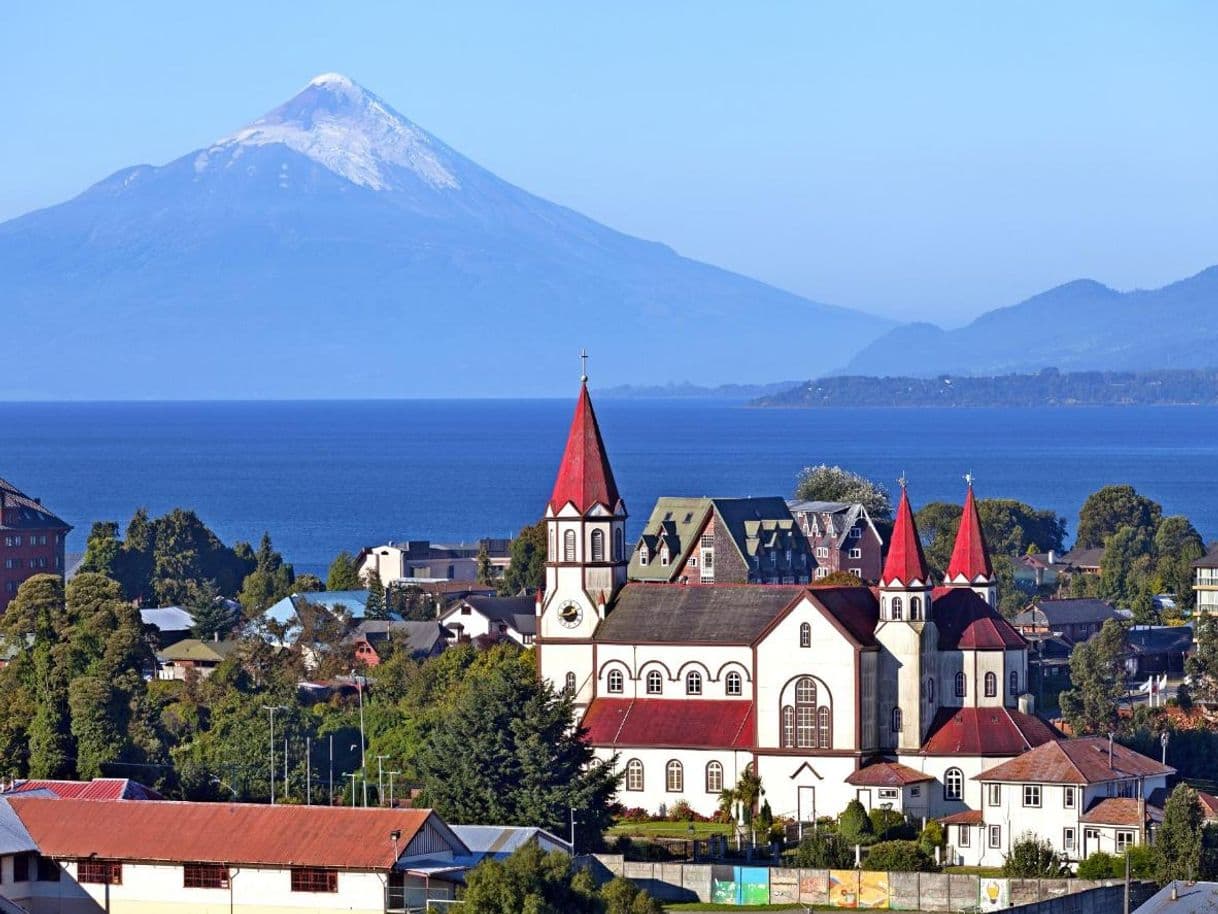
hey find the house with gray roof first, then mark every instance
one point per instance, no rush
(842, 537)
(373, 637)
(1075, 619)
(497, 617)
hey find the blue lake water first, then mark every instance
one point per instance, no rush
(325, 476)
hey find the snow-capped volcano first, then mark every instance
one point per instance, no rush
(344, 127)
(331, 248)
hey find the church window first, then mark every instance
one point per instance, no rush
(634, 774)
(616, 681)
(953, 784)
(915, 608)
(930, 691)
(598, 546)
(1014, 682)
(570, 683)
(788, 727)
(805, 727)
(553, 544)
(655, 683)
(735, 685)
(568, 546)
(619, 544)
(811, 722)
(898, 608)
(896, 720)
(675, 780)
(961, 685)
(805, 691)
(714, 777)
(991, 685)
(805, 635)
(693, 683)
(823, 726)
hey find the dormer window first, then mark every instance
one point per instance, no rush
(664, 555)
(856, 533)
(644, 556)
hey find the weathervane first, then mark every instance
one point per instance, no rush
(968, 478)
(583, 366)
(901, 480)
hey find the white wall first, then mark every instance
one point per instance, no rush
(674, 662)
(693, 761)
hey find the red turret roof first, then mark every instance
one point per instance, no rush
(905, 562)
(970, 558)
(584, 477)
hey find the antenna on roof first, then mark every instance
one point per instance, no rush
(583, 366)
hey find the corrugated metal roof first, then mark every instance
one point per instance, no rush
(985, 731)
(501, 840)
(96, 789)
(168, 618)
(14, 839)
(670, 722)
(1076, 761)
(721, 613)
(233, 833)
(887, 774)
(967, 622)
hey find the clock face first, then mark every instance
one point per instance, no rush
(570, 614)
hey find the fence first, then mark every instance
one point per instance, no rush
(724, 884)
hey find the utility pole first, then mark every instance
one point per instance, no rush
(308, 771)
(285, 767)
(331, 769)
(353, 775)
(359, 685)
(572, 831)
(391, 774)
(380, 779)
(273, 709)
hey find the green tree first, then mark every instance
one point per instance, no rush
(1099, 865)
(308, 583)
(1033, 857)
(833, 483)
(508, 751)
(135, 559)
(486, 571)
(376, 606)
(1111, 508)
(343, 573)
(1011, 528)
(854, 824)
(1202, 663)
(1097, 672)
(270, 581)
(214, 617)
(1127, 561)
(102, 549)
(533, 882)
(1178, 842)
(526, 570)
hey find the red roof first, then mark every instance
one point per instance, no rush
(968, 817)
(340, 837)
(966, 622)
(96, 789)
(887, 774)
(672, 723)
(584, 477)
(1077, 761)
(1115, 811)
(985, 731)
(905, 562)
(970, 559)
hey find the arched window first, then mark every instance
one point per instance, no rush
(822, 724)
(953, 784)
(693, 683)
(805, 635)
(915, 608)
(805, 713)
(788, 727)
(674, 781)
(735, 684)
(570, 685)
(553, 544)
(598, 546)
(930, 691)
(634, 774)
(961, 685)
(896, 720)
(655, 683)
(991, 685)
(568, 546)
(619, 544)
(615, 681)
(714, 777)
(1014, 682)
(898, 608)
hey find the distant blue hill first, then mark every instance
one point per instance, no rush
(1081, 325)
(334, 249)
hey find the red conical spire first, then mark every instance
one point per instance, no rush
(905, 562)
(970, 557)
(584, 477)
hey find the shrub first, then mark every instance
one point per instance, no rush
(932, 837)
(680, 811)
(1032, 857)
(823, 850)
(635, 814)
(855, 825)
(1098, 866)
(899, 857)
(890, 825)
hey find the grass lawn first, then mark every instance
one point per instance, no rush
(987, 871)
(669, 829)
(704, 906)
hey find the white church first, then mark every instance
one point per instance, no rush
(900, 696)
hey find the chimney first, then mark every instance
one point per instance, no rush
(1052, 557)
(1110, 736)
(1175, 896)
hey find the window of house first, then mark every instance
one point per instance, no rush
(634, 775)
(963, 836)
(898, 608)
(961, 685)
(99, 872)
(1031, 795)
(805, 634)
(1067, 839)
(1068, 797)
(888, 793)
(643, 555)
(598, 546)
(708, 559)
(664, 555)
(915, 607)
(568, 546)
(734, 684)
(1123, 840)
(528, 639)
(773, 559)
(204, 876)
(856, 533)
(21, 867)
(953, 784)
(991, 685)
(855, 553)
(714, 777)
(822, 552)
(570, 683)
(857, 572)
(994, 794)
(314, 879)
(1014, 682)
(896, 720)
(615, 682)
(674, 781)
(788, 726)
(930, 691)
(693, 683)
(48, 869)
(619, 544)
(655, 683)
(995, 836)
(824, 732)
(915, 791)
(693, 561)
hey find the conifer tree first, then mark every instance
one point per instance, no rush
(1178, 842)
(1097, 670)
(343, 573)
(375, 607)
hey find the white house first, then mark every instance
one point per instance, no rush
(509, 617)
(1083, 795)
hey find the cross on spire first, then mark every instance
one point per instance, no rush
(583, 366)
(901, 480)
(968, 478)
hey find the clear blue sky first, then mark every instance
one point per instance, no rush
(923, 160)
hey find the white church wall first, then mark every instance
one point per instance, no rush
(674, 662)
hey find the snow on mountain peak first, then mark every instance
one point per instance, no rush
(348, 130)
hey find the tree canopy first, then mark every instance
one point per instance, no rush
(1097, 671)
(526, 571)
(1109, 509)
(344, 573)
(833, 483)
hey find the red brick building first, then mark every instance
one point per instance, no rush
(31, 540)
